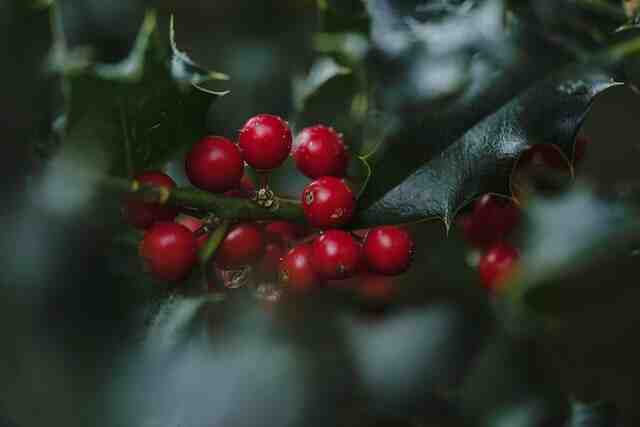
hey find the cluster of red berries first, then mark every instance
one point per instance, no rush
(493, 219)
(488, 228)
(301, 259)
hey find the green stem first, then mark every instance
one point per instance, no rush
(220, 206)
(127, 140)
(622, 50)
(601, 7)
(209, 249)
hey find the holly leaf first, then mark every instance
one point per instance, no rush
(423, 129)
(141, 111)
(571, 244)
(593, 414)
(482, 160)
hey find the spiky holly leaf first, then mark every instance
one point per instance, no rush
(576, 285)
(482, 160)
(564, 238)
(142, 111)
(493, 49)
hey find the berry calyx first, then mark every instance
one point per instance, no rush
(214, 164)
(142, 214)
(497, 264)
(243, 245)
(194, 224)
(493, 218)
(320, 151)
(328, 202)
(169, 251)
(388, 250)
(265, 141)
(336, 255)
(296, 269)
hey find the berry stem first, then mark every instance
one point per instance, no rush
(127, 140)
(209, 248)
(617, 52)
(220, 206)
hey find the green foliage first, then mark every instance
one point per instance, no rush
(482, 160)
(569, 236)
(436, 99)
(142, 111)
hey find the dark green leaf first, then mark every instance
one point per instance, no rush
(482, 160)
(142, 111)
(422, 132)
(567, 236)
(593, 414)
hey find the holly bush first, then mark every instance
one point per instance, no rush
(373, 212)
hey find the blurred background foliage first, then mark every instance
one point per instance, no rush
(89, 339)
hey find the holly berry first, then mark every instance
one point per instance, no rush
(282, 232)
(543, 155)
(244, 190)
(320, 151)
(580, 148)
(497, 264)
(328, 202)
(194, 224)
(336, 255)
(377, 288)
(543, 168)
(169, 251)
(270, 264)
(243, 245)
(143, 214)
(265, 141)
(296, 269)
(388, 250)
(214, 164)
(492, 219)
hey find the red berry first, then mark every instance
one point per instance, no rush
(214, 164)
(270, 264)
(543, 155)
(580, 148)
(194, 224)
(143, 214)
(378, 288)
(497, 264)
(244, 190)
(388, 250)
(265, 141)
(492, 219)
(296, 270)
(336, 255)
(328, 202)
(169, 251)
(283, 232)
(242, 246)
(319, 152)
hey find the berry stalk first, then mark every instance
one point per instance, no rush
(209, 249)
(221, 206)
